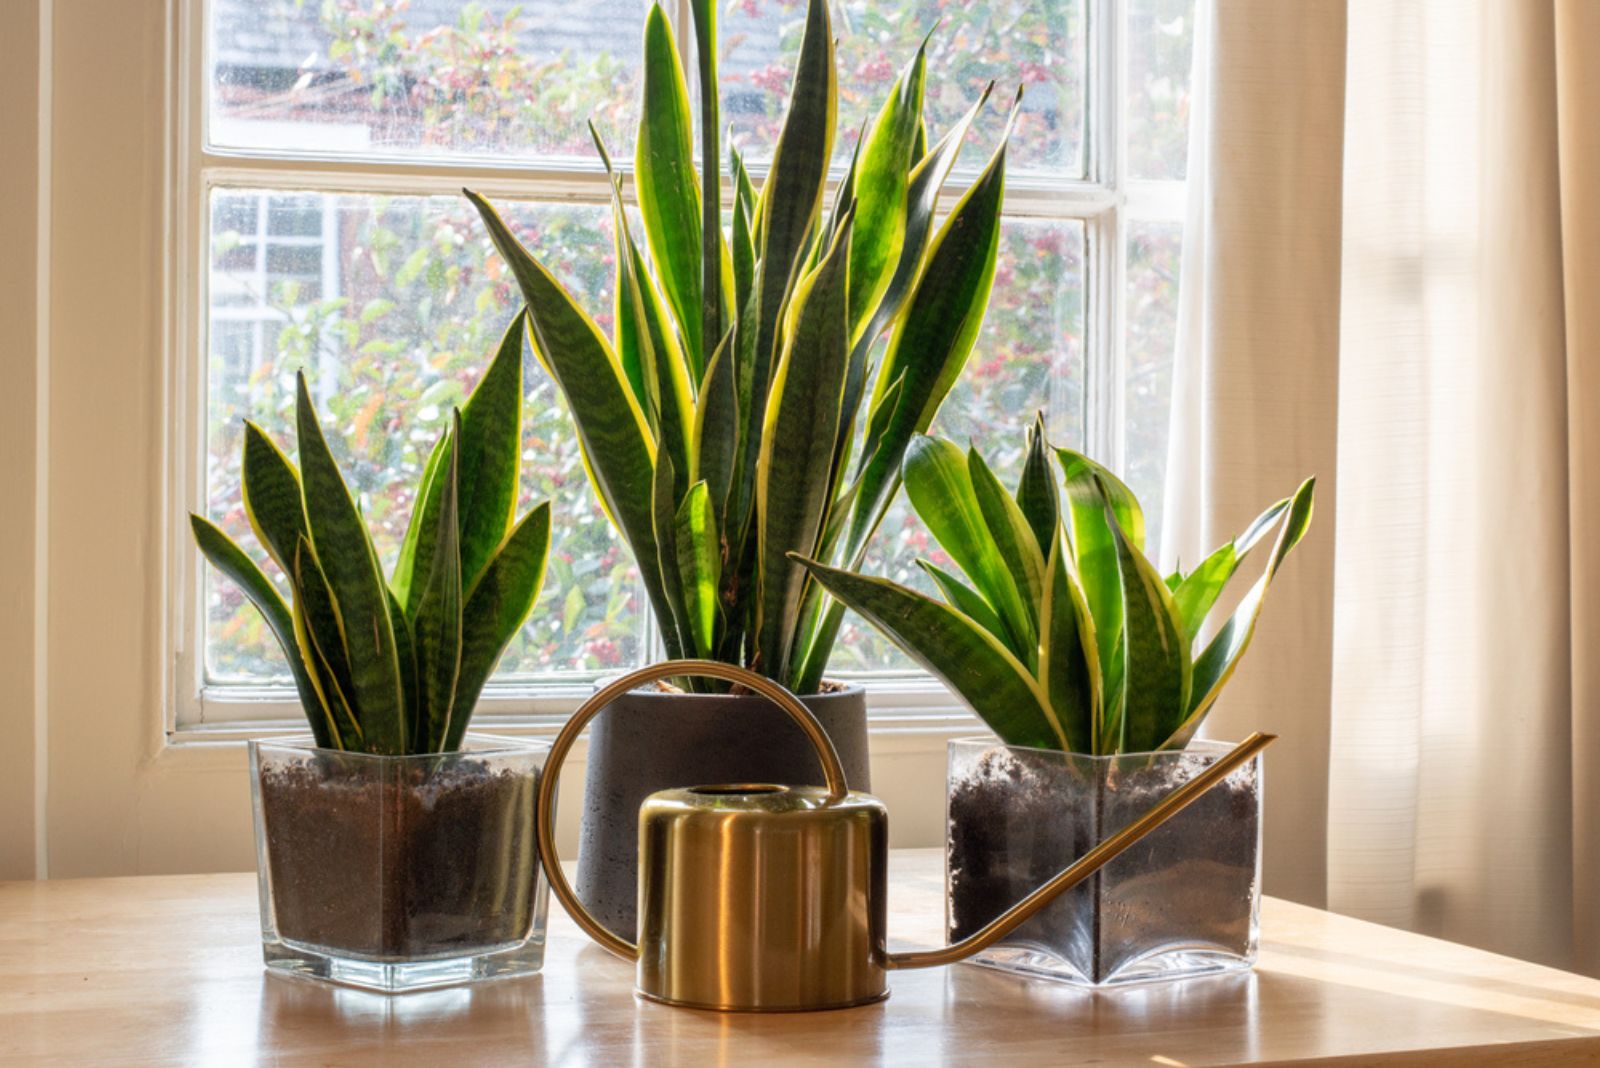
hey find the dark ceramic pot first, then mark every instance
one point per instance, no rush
(650, 740)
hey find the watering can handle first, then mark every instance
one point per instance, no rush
(832, 771)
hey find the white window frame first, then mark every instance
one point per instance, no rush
(913, 708)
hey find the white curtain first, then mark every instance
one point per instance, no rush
(1464, 718)
(1393, 275)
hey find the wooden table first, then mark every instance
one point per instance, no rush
(168, 970)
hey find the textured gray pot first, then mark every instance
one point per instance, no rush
(650, 740)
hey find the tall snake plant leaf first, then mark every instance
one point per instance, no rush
(438, 623)
(1012, 537)
(791, 197)
(955, 650)
(699, 567)
(939, 486)
(792, 480)
(617, 447)
(220, 551)
(272, 497)
(714, 287)
(664, 512)
(1198, 591)
(716, 428)
(405, 641)
(1036, 488)
(1069, 669)
(1094, 548)
(321, 634)
(881, 186)
(966, 600)
(922, 201)
(667, 185)
(347, 558)
(423, 524)
(642, 319)
(1158, 671)
(931, 342)
(1216, 665)
(497, 606)
(491, 451)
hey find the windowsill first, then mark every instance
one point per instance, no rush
(904, 715)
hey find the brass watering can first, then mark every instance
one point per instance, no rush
(755, 897)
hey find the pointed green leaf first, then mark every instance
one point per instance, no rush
(716, 428)
(618, 450)
(406, 647)
(229, 559)
(439, 618)
(491, 455)
(668, 397)
(1216, 665)
(1069, 672)
(791, 198)
(321, 633)
(955, 650)
(1157, 679)
(272, 497)
(797, 442)
(664, 510)
(966, 600)
(1094, 550)
(346, 556)
(496, 607)
(711, 277)
(667, 185)
(922, 201)
(1198, 591)
(1036, 489)
(424, 518)
(699, 566)
(939, 486)
(1011, 535)
(931, 342)
(881, 187)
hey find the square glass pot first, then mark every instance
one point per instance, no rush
(399, 872)
(1183, 901)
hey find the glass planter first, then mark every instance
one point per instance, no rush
(399, 872)
(1183, 901)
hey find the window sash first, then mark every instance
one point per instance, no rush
(1102, 202)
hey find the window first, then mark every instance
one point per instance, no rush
(320, 164)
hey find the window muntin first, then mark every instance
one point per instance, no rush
(347, 252)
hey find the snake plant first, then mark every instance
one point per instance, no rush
(394, 666)
(1067, 636)
(719, 421)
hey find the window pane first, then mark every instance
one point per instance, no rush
(514, 78)
(1160, 53)
(1035, 43)
(1155, 252)
(394, 317)
(1029, 357)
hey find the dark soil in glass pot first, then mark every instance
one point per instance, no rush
(1182, 901)
(399, 857)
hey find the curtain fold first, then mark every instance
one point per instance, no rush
(1256, 376)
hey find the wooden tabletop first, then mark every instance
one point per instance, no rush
(167, 970)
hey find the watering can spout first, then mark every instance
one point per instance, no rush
(763, 897)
